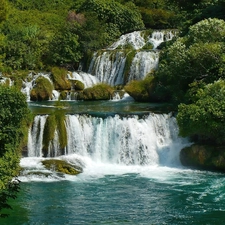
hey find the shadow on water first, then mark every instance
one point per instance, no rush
(100, 108)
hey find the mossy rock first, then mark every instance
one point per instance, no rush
(42, 91)
(61, 166)
(142, 90)
(59, 77)
(77, 85)
(63, 95)
(203, 157)
(97, 92)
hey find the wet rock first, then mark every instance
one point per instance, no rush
(61, 166)
(204, 157)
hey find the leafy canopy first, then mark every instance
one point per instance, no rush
(14, 118)
(205, 117)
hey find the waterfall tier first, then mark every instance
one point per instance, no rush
(129, 58)
(151, 140)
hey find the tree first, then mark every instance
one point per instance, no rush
(14, 120)
(199, 55)
(65, 47)
(3, 10)
(205, 117)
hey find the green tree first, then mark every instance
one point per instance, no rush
(197, 56)
(205, 117)
(3, 10)
(14, 120)
(65, 47)
(126, 17)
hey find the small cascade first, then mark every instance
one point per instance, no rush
(6, 81)
(108, 67)
(128, 59)
(161, 36)
(29, 83)
(151, 140)
(142, 64)
(71, 96)
(134, 39)
(116, 96)
(87, 79)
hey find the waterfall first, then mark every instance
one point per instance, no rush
(114, 65)
(151, 140)
(87, 79)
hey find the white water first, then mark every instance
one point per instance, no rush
(87, 79)
(108, 65)
(114, 143)
(137, 41)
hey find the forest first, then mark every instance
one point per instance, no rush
(41, 35)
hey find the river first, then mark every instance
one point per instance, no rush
(152, 187)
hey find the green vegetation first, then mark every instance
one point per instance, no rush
(61, 166)
(59, 76)
(142, 90)
(205, 117)
(97, 92)
(42, 89)
(14, 120)
(55, 123)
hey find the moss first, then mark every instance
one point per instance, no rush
(55, 122)
(142, 90)
(42, 90)
(97, 92)
(61, 166)
(59, 78)
(61, 129)
(77, 85)
(129, 59)
(204, 157)
(49, 133)
(63, 95)
(148, 46)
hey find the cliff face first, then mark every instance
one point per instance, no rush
(204, 157)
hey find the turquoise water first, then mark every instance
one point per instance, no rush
(111, 193)
(147, 195)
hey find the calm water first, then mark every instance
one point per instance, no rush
(112, 195)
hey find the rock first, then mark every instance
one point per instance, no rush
(61, 166)
(97, 92)
(204, 157)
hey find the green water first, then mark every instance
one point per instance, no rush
(97, 108)
(147, 196)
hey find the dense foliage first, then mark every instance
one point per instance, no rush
(14, 118)
(199, 55)
(46, 34)
(41, 34)
(205, 117)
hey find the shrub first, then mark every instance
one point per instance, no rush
(205, 117)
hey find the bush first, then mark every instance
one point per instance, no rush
(205, 117)
(192, 58)
(14, 120)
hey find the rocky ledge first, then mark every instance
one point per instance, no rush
(203, 157)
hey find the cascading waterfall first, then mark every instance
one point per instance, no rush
(151, 140)
(109, 65)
